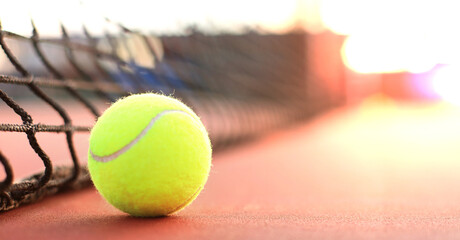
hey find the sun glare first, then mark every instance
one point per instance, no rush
(393, 36)
(446, 83)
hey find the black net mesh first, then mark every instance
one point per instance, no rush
(240, 85)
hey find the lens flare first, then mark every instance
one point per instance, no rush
(385, 36)
(446, 83)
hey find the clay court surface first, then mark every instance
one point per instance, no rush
(378, 170)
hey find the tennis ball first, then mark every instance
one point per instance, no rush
(149, 155)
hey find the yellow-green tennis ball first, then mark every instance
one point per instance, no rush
(149, 155)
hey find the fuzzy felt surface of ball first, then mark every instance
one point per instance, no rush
(149, 155)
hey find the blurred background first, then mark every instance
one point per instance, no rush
(407, 50)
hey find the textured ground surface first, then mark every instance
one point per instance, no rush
(378, 171)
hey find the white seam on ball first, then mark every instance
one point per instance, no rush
(128, 146)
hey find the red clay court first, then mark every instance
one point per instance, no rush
(375, 171)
